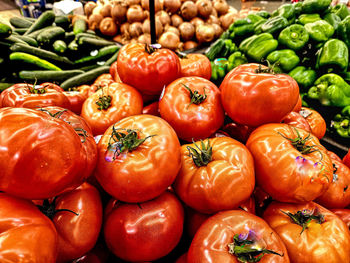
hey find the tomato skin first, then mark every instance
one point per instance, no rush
(248, 205)
(40, 156)
(343, 214)
(27, 235)
(296, 120)
(195, 65)
(182, 259)
(114, 72)
(297, 106)
(282, 171)
(147, 233)
(103, 77)
(211, 240)
(152, 109)
(334, 156)
(346, 159)
(76, 100)
(146, 72)
(145, 172)
(315, 120)
(192, 122)
(264, 97)
(322, 243)
(125, 101)
(222, 184)
(238, 131)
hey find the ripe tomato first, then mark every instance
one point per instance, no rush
(248, 205)
(334, 156)
(145, 231)
(344, 215)
(139, 157)
(262, 200)
(103, 77)
(346, 159)
(296, 120)
(182, 259)
(195, 65)
(146, 68)
(236, 236)
(338, 193)
(238, 131)
(217, 174)
(109, 105)
(315, 120)
(76, 100)
(29, 96)
(40, 156)
(297, 106)
(290, 163)
(152, 109)
(264, 97)
(114, 72)
(26, 234)
(310, 232)
(194, 220)
(192, 106)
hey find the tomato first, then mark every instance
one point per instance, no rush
(192, 106)
(290, 163)
(315, 120)
(86, 90)
(152, 109)
(109, 105)
(217, 174)
(26, 234)
(226, 236)
(296, 120)
(238, 131)
(310, 232)
(194, 220)
(346, 159)
(103, 77)
(139, 157)
(40, 156)
(76, 100)
(29, 96)
(262, 200)
(195, 65)
(248, 205)
(114, 72)
(297, 106)
(147, 68)
(252, 99)
(334, 156)
(145, 231)
(182, 259)
(344, 215)
(338, 193)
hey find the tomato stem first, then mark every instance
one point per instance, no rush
(104, 102)
(196, 98)
(200, 156)
(152, 48)
(49, 209)
(270, 68)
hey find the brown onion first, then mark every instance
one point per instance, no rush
(221, 6)
(118, 11)
(169, 40)
(145, 14)
(187, 31)
(204, 7)
(214, 12)
(190, 44)
(146, 27)
(172, 29)
(118, 38)
(218, 30)
(106, 10)
(158, 5)
(124, 28)
(108, 27)
(197, 21)
(176, 20)
(134, 14)
(132, 2)
(205, 33)
(94, 21)
(227, 20)
(89, 7)
(135, 29)
(172, 6)
(189, 10)
(163, 17)
(213, 20)
(144, 39)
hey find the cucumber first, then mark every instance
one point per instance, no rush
(4, 45)
(105, 51)
(59, 46)
(62, 21)
(15, 39)
(79, 26)
(37, 32)
(73, 46)
(5, 30)
(49, 75)
(93, 42)
(89, 67)
(48, 36)
(46, 19)
(30, 59)
(91, 32)
(20, 31)
(84, 78)
(28, 40)
(112, 59)
(20, 22)
(78, 36)
(69, 36)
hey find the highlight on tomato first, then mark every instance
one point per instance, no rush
(315, 120)
(296, 120)
(195, 65)
(343, 214)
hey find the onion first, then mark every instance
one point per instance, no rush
(134, 14)
(204, 7)
(94, 21)
(144, 39)
(108, 27)
(218, 30)
(97, 9)
(132, 2)
(118, 38)
(190, 44)
(227, 20)
(106, 10)
(233, 10)
(118, 11)
(133, 41)
(187, 31)
(89, 7)
(188, 10)
(146, 27)
(172, 29)
(213, 20)
(221, 6)
(145, 14)
(214, 12)
(205, 33)
(172, 6)
(197, 21)
(124, 28)
(135, 29)
(163, 17)
(169, 40)
(158, 5)
(176, 20)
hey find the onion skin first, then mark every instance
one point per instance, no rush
(205, 8)
(227, 20)
(213, 20)
(134, 14)
(132, 2)
(94, 21)
(108, 27)
(221, 7)
(176, 20)
(163, 17)
(144, 39)
(135, 29)
(158, 5)
(189, 10)
(172, 6)
(169, 40)
(118, 12)
(146, 27)
(187, 31)
(190, 45)
(124, 28)
(205, 33)
(218, 30)
(172, 29)
(89, 7)
(197, 21)
(106, 10)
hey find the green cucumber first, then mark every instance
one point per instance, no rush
(4, 45)
(28, 40)
(73, 46)
(89, 67)
(59, 46)
(20, 22)
(69, 36)
(112, 59)
(49, 75)
(5, 30)
(20, 31)
(46, 19)
(78, 36)
(62, 21)
(93, 42)
(80, 26)
(48, 36)
(15, 39)
(30, 59)
(105, 51)
(37, 32)
(84, 78)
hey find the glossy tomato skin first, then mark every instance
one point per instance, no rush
(315, 120)
(297, 106)
(40, 156)
(125, 101)
(264, 97)
(346, 159)
(23, 96)
(114, 72)
(210, 243)
(296, 120)
(182, 259)
(76, 100)
(195, 121)
(147, 72)
(334, 156)
(343, 214)
(238, 131)
(282, 171)
(195, 65)
(146, 172)
(324, 243)
(224, 183)
(145, 231)
(27, 235)
(152, 109)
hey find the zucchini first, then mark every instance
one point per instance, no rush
(46, 19)
(37, 32)
(15, 39)
(79, 26)
(20, 31)
(78, 36)
(30, 59)
(28, 40)
(49, 75)
(90, 32)
(112, 59)
(48, 36)
(4, 45)
(59, 46)
(20, 22)
(93, 42)
(5, 30)
(84, 78)
(105, 51)
(62, 21)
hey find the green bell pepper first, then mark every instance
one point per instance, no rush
(229, 48)
(263, 14)
(219, 68)
(333, 20)
(225, 35)
(340, 10)
(214, 72)
(286, 10)
(274, 24)
(331, 90)
(341, 122)
(253, 18)
(333, 55)
(286, 59)
(315, 6)
(243, 27)
(294, 37)
(319, 31)
(308, 18)
(304, 76)
(236, 59)
(258, 46)
(344, 30)
(298, 6)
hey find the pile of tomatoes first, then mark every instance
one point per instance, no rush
(154, 156)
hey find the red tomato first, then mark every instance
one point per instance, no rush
(26, 234)
(29, 96)
(297, 106)
(290, 163)
(194, 220)
(103, 77)
(76, 100)
(40, 156)
(248, 205)
(262, 200)
(296, 120)
(109, 105)
(238, 131)
(310, 232)
(223, 237)
(139, 157)
(334, 156)
(192, 106)
(253, 99)
(195, 65)
(145, 231)
(217, 174)
(315, 120)
(152, 109)
(86, 90)
(182, 259)
(344, 215)
(346, 159)
(146, 68)
(114, 72)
